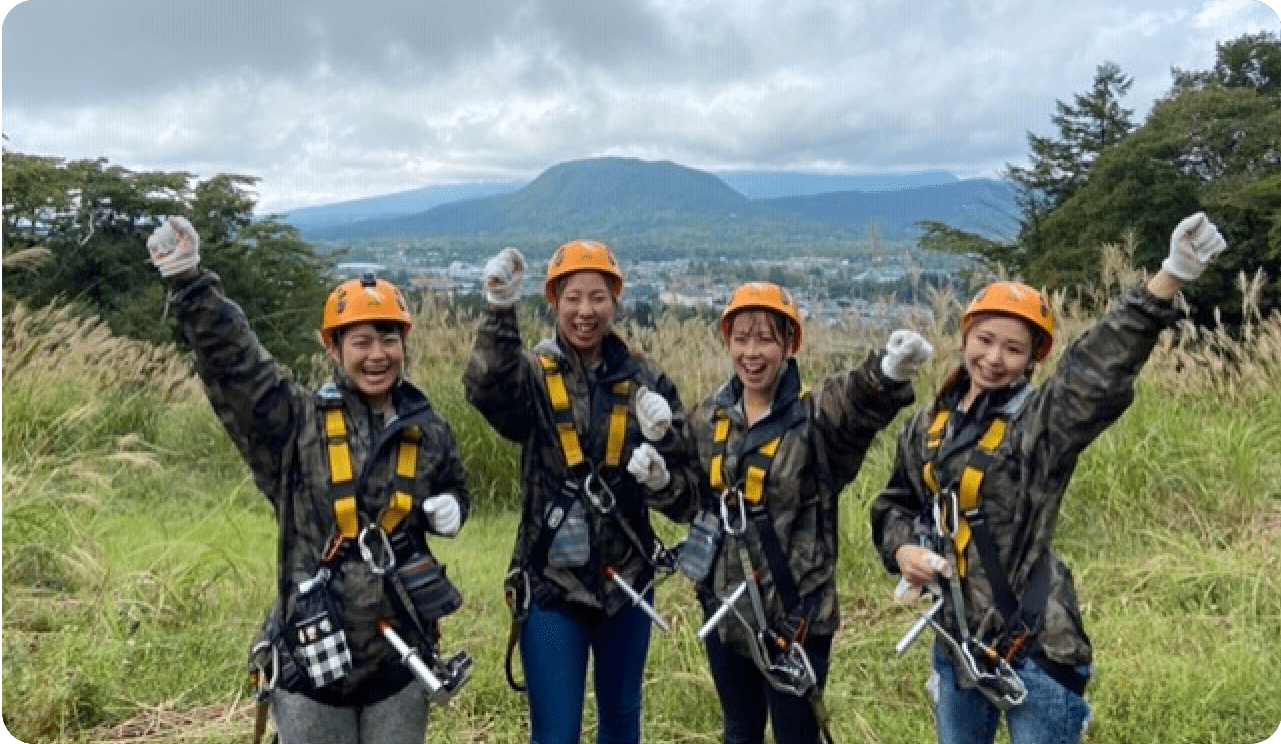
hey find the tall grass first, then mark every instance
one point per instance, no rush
(138, 557)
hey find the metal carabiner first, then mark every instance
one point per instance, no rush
(947, 517)
(389, 557)
(734, 494)
(603, 505)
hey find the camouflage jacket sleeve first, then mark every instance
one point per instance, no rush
(1093, 383)
(252, 394)
(850, 409)
(680, 499)
(894, 512)
(497, 380)
(448, 475)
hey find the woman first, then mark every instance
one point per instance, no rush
(763, 551)
(972, 505)
(603, 439)
(357, 472)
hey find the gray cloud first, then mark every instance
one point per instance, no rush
(333, 100)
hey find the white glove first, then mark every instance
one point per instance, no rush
(501, 279)
(653, 414)
(649, 468)
(444, 514)
(1193, 245)
(174, 246)
(905, 353)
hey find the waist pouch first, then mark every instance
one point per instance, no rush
(698, 551)
(429, 588)
(315, 636)
(566, 517)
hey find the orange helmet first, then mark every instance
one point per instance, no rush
(583, 255)
(1017, 300)
(764, 296)
(363, 300)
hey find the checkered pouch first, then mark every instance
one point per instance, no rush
(320, 645)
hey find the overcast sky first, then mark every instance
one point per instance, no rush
(329, 100)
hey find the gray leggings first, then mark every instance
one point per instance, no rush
(399, 719)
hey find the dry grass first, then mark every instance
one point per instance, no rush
(55, 339)
(171, 721)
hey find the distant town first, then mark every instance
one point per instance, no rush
(877, 288)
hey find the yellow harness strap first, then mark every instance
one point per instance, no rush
(402, 500)
(969, 490)
(757, 467)
(346, 510)
(718, 460)
(346, 513)
(758, 470)
(564, 416)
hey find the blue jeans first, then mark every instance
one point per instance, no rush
(1051, 714)
(747, 700)
(554, 646)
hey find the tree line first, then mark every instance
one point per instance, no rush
(1212, 143)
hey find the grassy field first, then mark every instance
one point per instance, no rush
(138, 555)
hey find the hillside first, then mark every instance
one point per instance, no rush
(663, 202)
(309, 219)
(984, 206)
(601, 196)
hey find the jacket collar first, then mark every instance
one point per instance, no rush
(617, 361)
(785, 410)
(407, 399)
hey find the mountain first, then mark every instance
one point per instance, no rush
(309, 219)
(660, 203)
(756, 184)
(600, 196)
(982, 205)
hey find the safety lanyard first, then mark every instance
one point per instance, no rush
(342, 477)
(563, 415)
(956, 514)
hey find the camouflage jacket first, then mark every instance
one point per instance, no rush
(1023, 488)
(278, 426)
(508, 385)
(825, 436)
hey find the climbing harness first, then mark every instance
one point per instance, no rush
(417, 580)
(564, 540)
(594, 487)
(956, 520)
(778, 654)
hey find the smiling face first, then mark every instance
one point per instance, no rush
(758, 349)
(373, 356)
(997, 350)
(585, 308)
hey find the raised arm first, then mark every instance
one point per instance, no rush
(253, 395)
(497, 379)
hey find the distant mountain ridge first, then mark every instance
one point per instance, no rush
(625, 197)
(758, 184)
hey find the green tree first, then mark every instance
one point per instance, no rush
(94, 219)
(1060, 165)
(1250, 61)
(1210, 146)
